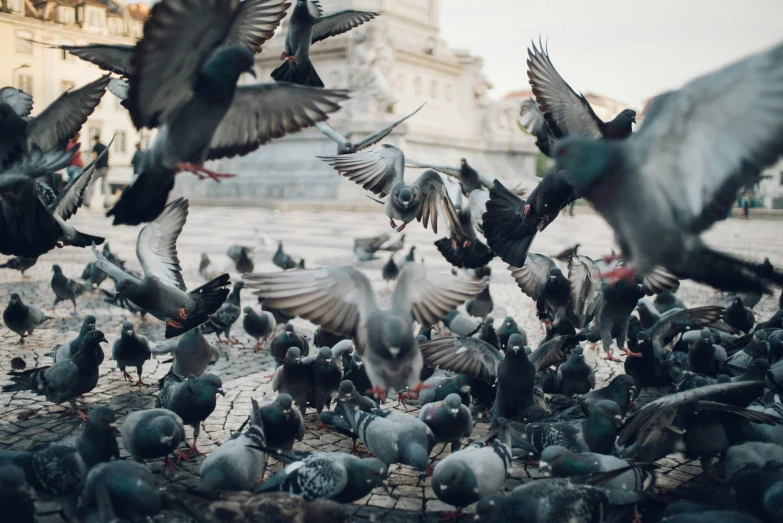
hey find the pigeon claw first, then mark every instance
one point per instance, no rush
(183, 455)
(291, 59)
(169, 465)
(202, 172)
(418, 388)
(401, 227)
(391, 221)
(454, 244)
(543, 223)
(127, 376)
(452, 516)
(139, 383)
(527, 209)
(629, 353)
(174, 324)
(466, 244)
(637, 517)
(181, 315)
(378, 391)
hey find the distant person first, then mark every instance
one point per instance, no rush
(101, 173)
(77, 164)
(137, 162)
(746, 207)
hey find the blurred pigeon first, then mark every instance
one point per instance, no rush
(440, 386)
(390, 271)
(775, 322)
(462, 248)
(120, 491)
(192, 354)
(293, 377)
(461, 324)
(327, 374)
(65, 288)
(23, 319)
(282, 259)
(114, 298)
(365, 248)
(258, 326)
(324, 338)
(544, 282)
(382, 172)
(15, 495)
(449, 420)
(225, 317)
(567, 253)
(753, 455)
(336, 476)
(410, 257)
(307, 26)
(93, 275)
(481, 304)
(508, 328)
(161, 291)
(666, 301)
(345, 146)
(759, 492)
(342, 300)
(575, 376)
(152, 434)
(488, 333)
(469, 178)
(207, 269)
(66, 380)
(563, 463)
(704, 355)
(19, 263)
(286, 339)
(239, 462)
(192, 400)
(739, 316)
(621, 390)
(694, 192)
(63, 352)
(395, 245)
(243, 262)
(130, 350)
(282, 423)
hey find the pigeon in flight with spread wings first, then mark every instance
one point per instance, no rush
(307, 26)
(161, 291)
(200, 111)
(682, 171)
(342, 301)
(345, 146)
(382, 172)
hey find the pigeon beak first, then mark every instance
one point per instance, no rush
(129, 332)
(465, 389)
(633, 119)
(103, 340)
(328, 360)
(515, 348)
(252, 72)
(394, 351)
(221, 392)
(544, 467)
(455, 411)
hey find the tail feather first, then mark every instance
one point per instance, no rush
(85, 240)
(144, 199)
(472, 257)
(210, 297)
(507, 233)
(727, 273)
(297, 73)
(26, 380)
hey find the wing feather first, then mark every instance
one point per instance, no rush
(339, 22)
(156, 246)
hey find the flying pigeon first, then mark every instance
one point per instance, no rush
(23, 319)
(130, 350)
(462, 248)
(345, 146)
(365, 248)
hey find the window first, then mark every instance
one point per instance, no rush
(66, 85)
(15, 5)
(94, 131)
(24, 82)
(66, 15)
(95, 18)
(120, 140)
(23, 42)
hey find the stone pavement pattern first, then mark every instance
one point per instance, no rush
(322, 238)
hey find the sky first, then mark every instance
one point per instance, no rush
(628, 50)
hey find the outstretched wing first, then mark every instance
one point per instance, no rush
(156, 246)
(255, 22)
(113, 58)
(339, 22)
(533, 275)
(20, 101)
(114, 272)
(435, 199)
(327, 130)
(375, 171)
(380, 134)
(470, 356)
(71, 197)
(586, 290)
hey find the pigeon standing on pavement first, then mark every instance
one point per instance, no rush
(65, 288)
(563, 463)
(282, 259)
(327, 374)
(243, 262)
(258, 326)
(192, 354)
(739, 316)
(575, 376)
(228, 313)
(152, 434)
(120, 490)
(193, 400)
(390, 271)
(23, 319)
(66, 380)
(449, 420)
(19, 263)
(287, 338)
(283, 424)
(130, 350)
(293, 378)
(63, 352)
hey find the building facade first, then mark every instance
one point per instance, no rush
(46, 73)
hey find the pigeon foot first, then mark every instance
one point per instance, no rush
(543, 223)
(631, 354)
(527, 210)
(183, 455)
(25, 277)
(169, 466)
(139, 383)
(391, 221)
(378, 391)
(202, 172)
(126, 376)
(401, 227)
(452, 516)
(621, 273)
(637, 517)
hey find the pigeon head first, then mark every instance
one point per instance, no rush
(643, 337)
(706, 334)
(15, 298)
(607, 409)
(515, 342)
(289, 330)
(127, 328)
(95, 337)
(239, 284)
(212, 382)
(56, 269)
(454, 483)
(248, 310)
(293, 356)
(89, 323)
(370, 471)
(463, 161)
(453, 403)
(587, 161)
(555, 274)
(325, 353)
(229, 63)
(508, 322)
(285, 402)
(126, 287)
(167, 427)
(627, 116)
(346, 389)
(621, 383)
(404, 197)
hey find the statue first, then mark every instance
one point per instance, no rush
(372, 70)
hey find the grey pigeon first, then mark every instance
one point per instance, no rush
(201, 123)
(293, 378)
(282, 259)
(342, 301)
(481, 304)
(161, 291)
(545, 283)
(66, 380)
(365, 248)
(508, 328)
(754, 455)
(258, 326)
(152, 434)
(575, 376)
(667, 301)
(116, 299)
(704, 356)
(563, 463)
(449, 420)
(120, 491)
(336, 421)
(130, 350)
(440, 386)
(19, 263)
(337, 476)
(65, 288)
(283, 424)
(192, 400)
(15, 497)
(681, 129)
(192, 354)
(464, 477)
(238, 463)
(390, 271)
(470, 179)
(461, 324)
(225, 317)
(63, 352)
(346, 146)
(307, 26)
(23, 319)
(243, 262)
(621, 390)
(287, 338)
(382, 172)
(327, 374)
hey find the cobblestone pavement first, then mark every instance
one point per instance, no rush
(322, 238)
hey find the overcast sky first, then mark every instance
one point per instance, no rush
(627, 50)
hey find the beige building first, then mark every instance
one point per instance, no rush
(46, 73)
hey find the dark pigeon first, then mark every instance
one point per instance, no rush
(120, 491)
(293, 378)
(449, 420)
(563, 463)
(481, 304)
(346, 146)
(283, 260)
(65, 288)
(286, 339)
(243, 262)
(152, 434)
(282, 422)
(575, 376)
(63, 352)
(739, 316)
(19, 263)
(225, 317)
(23, 319)
(130, 350)
(390, 271)
(258, 326)
(508, 328)
(15, 495)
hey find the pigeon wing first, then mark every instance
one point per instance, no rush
(321, 478)
(156, 246)
(470, 356)
(339, 22)
(71, 197)
(20, 101)
(380, 134)
(114, 272)
(434, 200)
(113, 58)
(255, 22)
(586, 290)
(327, 130)
(375, 171)
(533, 275)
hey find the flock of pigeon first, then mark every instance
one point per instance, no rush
(658, 189)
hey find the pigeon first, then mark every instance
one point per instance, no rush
(282, 423)
(563, 463)
(130, 350)
(464, 477)
(327, 374)
(114, 298)
(120, 491)
(567, 253)
(410, 257)
(336, 476)
(739, 316)
(345, 146)
(65, 288)
(461, 324)
(481, 304)
(207, 269)
(345, 304)
(161, 291)
(293, 377)
(283, 260)
(258, 326)
(508, 328)
(238, 463)
(575, 376)
(193, 400)
(469, 178)
(63, 352)
(307, 26)
(66, 380)
(440, 386)
(15, 495)
(243, 262)
(336, 421)
(23, 319)
(324, 338)
(449, 420)
(621, 390)
(544, 282)
(704, 356)
(192, 354)
(209, 117)
(694, 192)
(463, 249)
(365, 248)
(666, 301)
(382, 172)
(288, 338)
(488, 333)
(152, 434)
(753, 455)
(775, 322)
(225, 317)
(390, 271)
(19, 263)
